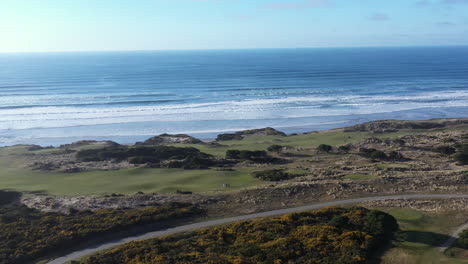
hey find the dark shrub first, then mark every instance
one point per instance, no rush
(378, 155)
(226, 137)
(393, 155)
(462, 154)
(257, 156)
(463, 239)
(275, 148)
(462, 158)
(374, 154)
(325, 148)
(381, 224)
(344, 149)
(250, 155)
(233, 154)
(7, 197)
(271, 175)
(143, 160)
(366, 152)
(446, 150)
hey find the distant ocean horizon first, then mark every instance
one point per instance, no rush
(58, 98)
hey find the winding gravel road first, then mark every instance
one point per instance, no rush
(110, 244)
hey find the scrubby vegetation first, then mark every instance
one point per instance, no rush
(446, 150)
(272, 175)
(28, 234)
(462, 155)
(324, 148)
(463, 239)
(256, 156)
(375, 154)
(7, 197)
(275, 148)
(163, 156)
(331, 235)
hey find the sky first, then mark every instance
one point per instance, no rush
(101, 25)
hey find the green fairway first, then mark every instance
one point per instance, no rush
(126, 181)
(421, 234)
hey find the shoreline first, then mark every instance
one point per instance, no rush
(142, 131)
(212, 137)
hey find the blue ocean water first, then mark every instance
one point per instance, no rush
(55, 98)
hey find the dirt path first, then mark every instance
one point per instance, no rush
(111, 244)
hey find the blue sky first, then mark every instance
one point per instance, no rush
(87, 25)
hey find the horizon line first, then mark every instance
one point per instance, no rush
(227, 49)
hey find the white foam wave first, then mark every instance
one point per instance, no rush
(250, 109)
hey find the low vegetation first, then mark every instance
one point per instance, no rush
(27, 234)
(7, 197)
(331, 235)
(256, 156)
(375, 154)
(324, 148)
(158, 156)
(462, 154)
(463, 239)
(272, 175)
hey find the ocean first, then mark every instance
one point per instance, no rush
(57, 98)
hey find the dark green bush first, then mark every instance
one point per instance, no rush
(275, 148)
(375, 154)
(462, 155)
(463, 239)
(272, 175)
(378, 155)
(394, 155)
(462, 158)
(446, 150)
(325, 148)
(344, 148)
(7, 197)
(257, 156)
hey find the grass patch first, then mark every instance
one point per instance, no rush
(297, 172)
(421, 234)
(359, 177)
(125, 181)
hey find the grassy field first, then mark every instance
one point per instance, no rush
(13, 175)
(126, 181)
(422, 233)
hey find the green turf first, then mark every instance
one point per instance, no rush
(421, 234)
(126, 181)
(359, 177)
